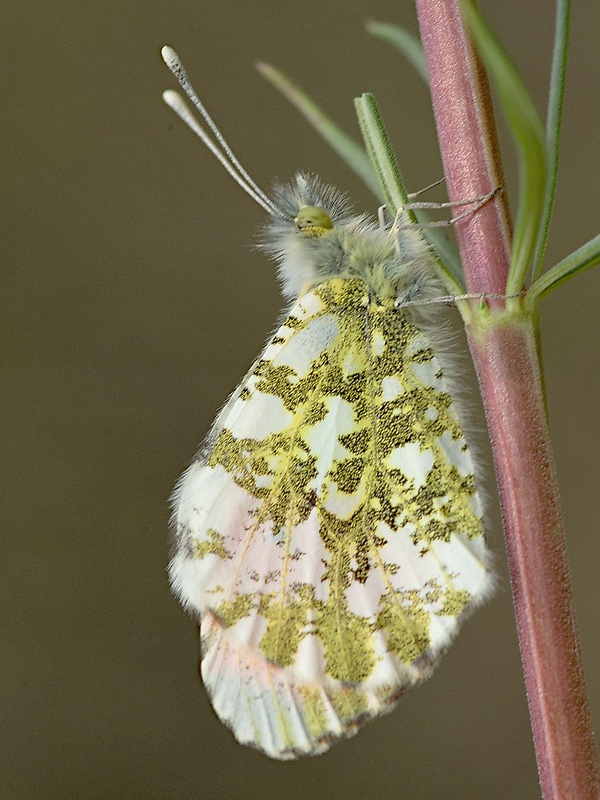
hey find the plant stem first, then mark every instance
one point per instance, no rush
(468, 144)
(504, 349)
(505, 357)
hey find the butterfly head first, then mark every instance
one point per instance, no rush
(313, 221)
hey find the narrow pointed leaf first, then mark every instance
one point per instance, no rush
(528, 132)
(349, 150)
(585, 257)
(381, 154)
(384, 163)
(404, 41)
(554, 123)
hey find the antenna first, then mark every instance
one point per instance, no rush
(218, 145)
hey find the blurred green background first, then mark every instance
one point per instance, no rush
(133, 302)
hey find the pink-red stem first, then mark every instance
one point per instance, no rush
(506, 362)
(506, 359)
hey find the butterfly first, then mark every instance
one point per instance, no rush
(329, 533)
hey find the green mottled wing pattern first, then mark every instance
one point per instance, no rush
(330, 533)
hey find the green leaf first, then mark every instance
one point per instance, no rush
(585, 257)
(553, 124)
(383, 159)
(381, 154)
(349, 150)
(404, 41)
(528, 133)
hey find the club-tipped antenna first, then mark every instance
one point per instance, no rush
(183, 111)
(219, 148)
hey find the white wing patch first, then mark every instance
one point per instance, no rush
(330, 534)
